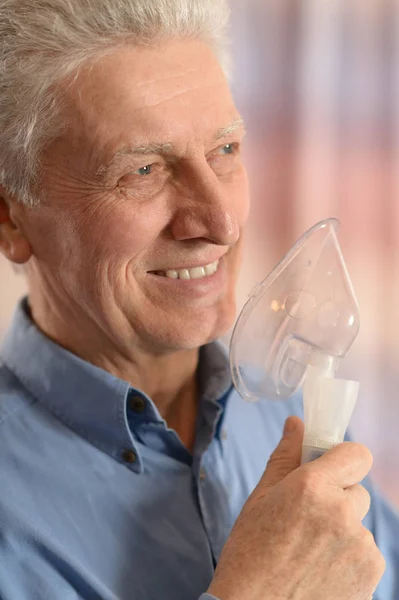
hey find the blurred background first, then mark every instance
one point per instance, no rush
(318, 85)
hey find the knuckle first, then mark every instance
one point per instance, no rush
(361, 453)
(381, 565)
(376, 567)
(354, 453)
(366, 498)
(273, 456)
(281, 453)
(367, 541)
(342, 523)
(361, 497)
(372, 556)
(366, 493)
(309, 485)
(275, 459)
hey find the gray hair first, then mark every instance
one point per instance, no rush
(44, 42)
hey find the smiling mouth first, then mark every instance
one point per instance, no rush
(188, 274)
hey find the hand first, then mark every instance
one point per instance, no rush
(300, 536)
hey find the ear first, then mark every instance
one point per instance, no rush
(13, 243)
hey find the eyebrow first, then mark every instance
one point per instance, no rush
(232, 128)
(166, 148)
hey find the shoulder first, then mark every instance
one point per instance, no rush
(14, 397)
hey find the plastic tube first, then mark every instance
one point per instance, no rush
(328, 406)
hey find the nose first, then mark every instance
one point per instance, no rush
(206, 211)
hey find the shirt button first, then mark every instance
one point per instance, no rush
(224, 435)
(202, 474)
(137, 404)
(129, 456)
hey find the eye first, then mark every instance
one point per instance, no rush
(147, 170)
(225, 159)
(228, 149)
(145, 181)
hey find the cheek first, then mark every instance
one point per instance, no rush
(101, 235)
(129, 231)
(51, 237)
(120, 236)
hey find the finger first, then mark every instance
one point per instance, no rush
(360, 500)
(287, 456)
(345, 465)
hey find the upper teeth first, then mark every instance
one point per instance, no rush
(196, 273)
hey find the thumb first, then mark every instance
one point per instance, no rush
(287, 456)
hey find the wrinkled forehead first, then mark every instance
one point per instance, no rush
(174, 92)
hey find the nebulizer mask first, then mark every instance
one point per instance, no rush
(295, 329)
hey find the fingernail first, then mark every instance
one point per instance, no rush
(290, 426)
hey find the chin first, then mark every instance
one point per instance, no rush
(191, 331)
(195, 333)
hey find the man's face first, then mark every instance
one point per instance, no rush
(145, 194)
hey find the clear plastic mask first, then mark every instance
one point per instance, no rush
(305, 312)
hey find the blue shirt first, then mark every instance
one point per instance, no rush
(100, 500)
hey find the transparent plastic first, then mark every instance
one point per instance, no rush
(304, 311)
(328, 407)
(296, 327)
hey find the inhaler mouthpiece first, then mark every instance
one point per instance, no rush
(296, 327)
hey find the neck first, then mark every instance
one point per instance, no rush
(169, 379)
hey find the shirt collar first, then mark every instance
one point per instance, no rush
(91, 401)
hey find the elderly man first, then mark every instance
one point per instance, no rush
(130, 468)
